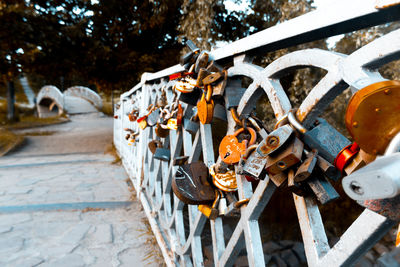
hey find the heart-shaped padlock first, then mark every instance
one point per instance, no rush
(230, 149)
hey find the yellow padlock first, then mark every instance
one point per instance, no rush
(143, 124)
(172, 124)
(398, 237)
(224, 181)
(211, 212)
(205, 107)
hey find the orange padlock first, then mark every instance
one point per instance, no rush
(205, 107)
(230, 150)
(345, 156)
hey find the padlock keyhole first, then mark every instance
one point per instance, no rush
(356, 188)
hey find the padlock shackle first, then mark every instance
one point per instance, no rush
(235, 116)
(209, 93)
(252, 132)
(394, 145)
(295, 123)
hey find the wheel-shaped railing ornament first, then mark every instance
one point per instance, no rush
(182, 230)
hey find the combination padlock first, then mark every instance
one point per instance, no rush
(230, 150)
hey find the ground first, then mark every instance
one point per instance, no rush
(64, 203)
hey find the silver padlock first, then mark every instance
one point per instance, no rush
(275, 140)
(380, 179)
(153, 117)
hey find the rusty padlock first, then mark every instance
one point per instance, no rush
(219, 88)
(289, 155)
(275, 140)
(185, 85)
(230, 150)
(191, 184)
(160, 131)
(306, 168)
(153, 145)
(224, 181)
(201, 61)
(205, 107)
(322, 189)
(200, 76)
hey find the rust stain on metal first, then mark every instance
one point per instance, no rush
(271, 143)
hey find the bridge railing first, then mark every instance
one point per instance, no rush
(180, 229)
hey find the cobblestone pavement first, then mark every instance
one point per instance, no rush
(63, 202)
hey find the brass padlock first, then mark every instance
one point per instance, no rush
(372, 116)
(230, 150)
(172, 124)
(211, 212)
(205, 107)
(224, 181)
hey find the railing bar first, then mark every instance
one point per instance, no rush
(255, 254)
(361, 236)
(312, 229)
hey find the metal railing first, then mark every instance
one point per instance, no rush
(180, 228)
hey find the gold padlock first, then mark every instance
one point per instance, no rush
(143, 124)
(172, 124)
(210, 212)
(224, 181)
(373, 115)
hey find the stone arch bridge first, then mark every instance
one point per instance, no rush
(75, 100)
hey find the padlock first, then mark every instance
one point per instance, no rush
(345, 156)
(372, 116)
(172, 124)
(398, 237)
(224, 181)
(233, 93)
(160, 131)
(328, 169)
(190, 98)
(219, 88)
(179, 115)
(322, 137)
(275, 140)
(378, 180)
(251, 164)
(360, 160)
(222, 205)
(142, 123)
(214, 67)
(322, 189)
(200, 76)
(185, 85)
(212, 78)
(201, 61)
(298, 189)
(205, 107)
(180, 160)
(153, 117)
(289, 155)
(163, 154)
(307, 167)
(191, 185)
(153, 145)
(230, 150)
(211, 212)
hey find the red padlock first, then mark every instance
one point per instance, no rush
(346, 156)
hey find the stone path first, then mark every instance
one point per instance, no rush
(63, 202)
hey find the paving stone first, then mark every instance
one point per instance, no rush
(5, 229)
(70, 260)
(290, 258)
(103, 234)
(76, 234)
(271, 247)
(18, 191)
(85, 187)
(13, 219)
(130, 257)
(11, 245)
(28, 181)
(57, 250)
(30, 261)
